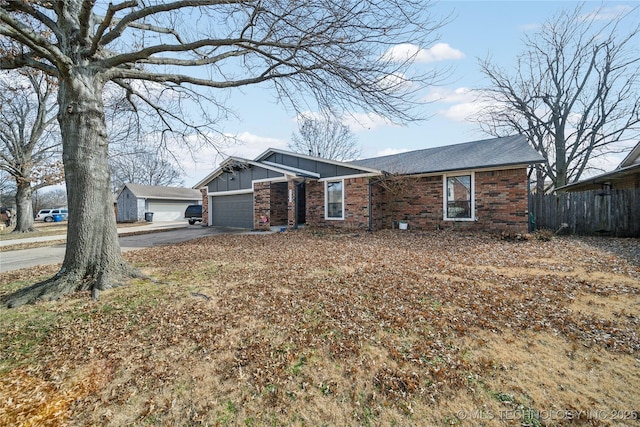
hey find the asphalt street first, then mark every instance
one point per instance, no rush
(54, 254)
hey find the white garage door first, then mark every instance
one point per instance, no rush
(168, 211)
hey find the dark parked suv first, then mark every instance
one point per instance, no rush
(193, 213)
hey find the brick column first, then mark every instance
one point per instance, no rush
(291, 204)
(262, 205)
(205, 206)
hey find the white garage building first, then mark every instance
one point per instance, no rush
(166, 203)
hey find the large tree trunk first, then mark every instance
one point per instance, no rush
(93, 260)
(24, 214)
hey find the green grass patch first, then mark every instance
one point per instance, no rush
(23, 332)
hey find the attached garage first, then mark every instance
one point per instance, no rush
(232, 210)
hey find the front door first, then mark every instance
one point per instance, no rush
(301, 203)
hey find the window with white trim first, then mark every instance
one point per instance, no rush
(459, 203)
(334, 199)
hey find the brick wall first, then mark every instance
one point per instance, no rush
(205, 206)
(416, 200)
(278, 203)
(356, 209)
(500, 203)
(502, 200)
(262, 205)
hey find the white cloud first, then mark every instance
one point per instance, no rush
(414, 53)
(530, 27)
(449, 96)
(463, 103)
(359, 122)
(461, 112)
(394, 82)
(607, 13)
(602, 164)
(314, 115)
(249, 146)
(206, 157)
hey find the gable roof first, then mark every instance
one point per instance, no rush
(230, 161)
(632, 158)
(285, 170)
(362, 168)
(495, 152)
(161, 192)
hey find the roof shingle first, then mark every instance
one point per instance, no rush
(161, 192)
(495, 152)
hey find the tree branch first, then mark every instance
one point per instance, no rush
(23, 34)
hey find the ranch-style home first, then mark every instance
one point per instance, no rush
(480, 185)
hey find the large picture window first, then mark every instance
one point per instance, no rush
(334, 200)
(459, 203)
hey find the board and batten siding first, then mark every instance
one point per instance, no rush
(316, 166)
(128, 208)
(241, 179)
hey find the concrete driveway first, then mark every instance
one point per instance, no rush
(45, 255)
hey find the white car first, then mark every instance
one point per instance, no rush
(47, 215)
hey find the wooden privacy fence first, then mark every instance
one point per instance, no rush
(599, 212)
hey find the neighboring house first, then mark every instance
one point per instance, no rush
(166, 203)
(626, 175)
(477, 185)
(605, 204)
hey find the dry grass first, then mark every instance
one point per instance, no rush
(40, 229)
(51, 229)
(308, 328)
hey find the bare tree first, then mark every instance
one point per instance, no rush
(140, 164)
(326, 138)
(30, 149)
(329, 53)
(7, 190)
(50, 198)
(574, 91)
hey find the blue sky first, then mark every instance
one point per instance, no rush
(478, 29)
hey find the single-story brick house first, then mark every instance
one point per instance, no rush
(167, 203)
(477, 185)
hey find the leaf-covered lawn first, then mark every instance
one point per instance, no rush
(314, 328)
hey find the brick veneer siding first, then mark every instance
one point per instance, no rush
(261, 205)
(356, 200)
(502, 200)
(205, 206)
(500, 203)
(270, 201)
(278, 203)
(416, 200)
